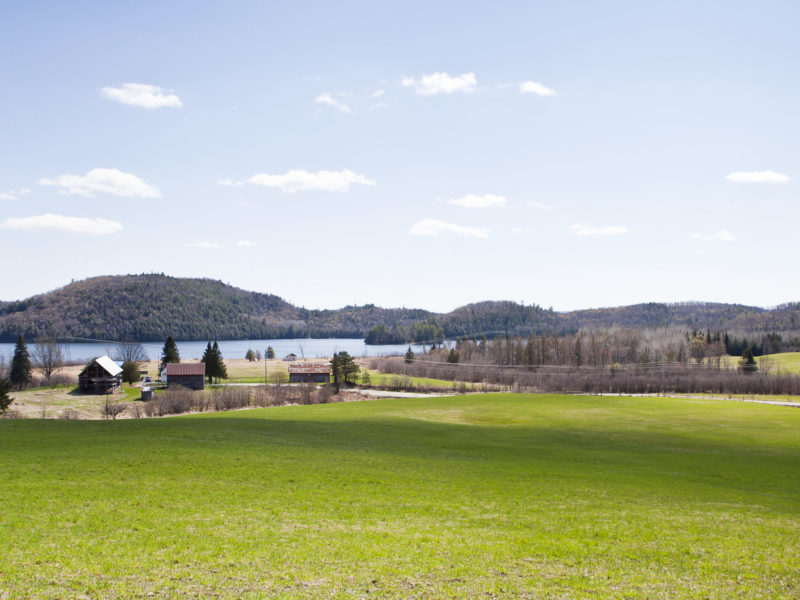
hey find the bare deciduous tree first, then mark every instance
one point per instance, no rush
(48, 357)
(131, 351)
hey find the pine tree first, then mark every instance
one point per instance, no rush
(250, 355)
(169, 354)
(409, 355)
(208, 358)
(20, 373)
(222, 370)
(5, 399)
(748, 364)
(270, 352)
(215, 367)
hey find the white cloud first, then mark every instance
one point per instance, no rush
(142, 94)
(378, 105)
(331, 101)
(591, 230)
(377, 94)
(230, 181)
(475, 201)
(202, 244)
(435, 227)
(106, 181)
(442, 83)
(722, 236)
(14, 195)
(59, 223)
(757, 177)
(246, 243)
(302, 180)
(534, 87)
(541, 205)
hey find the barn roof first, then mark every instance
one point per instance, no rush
(109, 366)
(310, 368)
(186, 369)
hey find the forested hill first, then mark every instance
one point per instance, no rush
(150, 307)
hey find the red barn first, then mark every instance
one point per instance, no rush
(188, 375)
(310, 373)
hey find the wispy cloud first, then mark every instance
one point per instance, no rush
(300, 180)
(757, 177)
(203, 244)
(721, 236)
(377, 94)
(475, 201)
(378, 105)
(432, 227)
(442, 83)
(246, 243)
(591, 230)
(104, 181)
(59, 223)
(14, 195)
(541, 205)
(534, 87)
(230, 182)
(142, 94)
(331, 101)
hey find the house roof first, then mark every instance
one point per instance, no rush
(197, 368)
(109, 366)
(309, 368)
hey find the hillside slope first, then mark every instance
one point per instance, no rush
(150, 307)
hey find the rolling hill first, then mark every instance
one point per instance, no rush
(149, 307)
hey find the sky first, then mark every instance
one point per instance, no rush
(422, 154)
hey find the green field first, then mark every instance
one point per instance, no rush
(785, 363)
(490, 496)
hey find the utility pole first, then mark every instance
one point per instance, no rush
(265, 367)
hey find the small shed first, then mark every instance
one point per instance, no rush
(310, 373)
(290, 357)
(101, 376)
(188, 375)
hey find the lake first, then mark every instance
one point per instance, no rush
(302, 347)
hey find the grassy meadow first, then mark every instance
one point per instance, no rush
(499, 495)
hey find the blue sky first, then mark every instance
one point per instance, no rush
(570, 154)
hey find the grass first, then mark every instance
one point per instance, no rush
(379, 379)
(30, 402)
(785, 363)
(498, 495)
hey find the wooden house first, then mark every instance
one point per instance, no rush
(310, 373)
(188, 375)
(101, 376)
(290, 357)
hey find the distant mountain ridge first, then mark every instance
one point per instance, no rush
(150, 307)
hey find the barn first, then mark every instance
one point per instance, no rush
(101, 376)
(188, 375)
(309, 373)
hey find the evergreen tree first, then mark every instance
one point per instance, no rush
(20, 373)
(270, 352)
(5, 399)
(215, 367)
(169, 354)
(208, 358)
(344, 370)
(453, 356)
(250, 355)
(748, 364)
(409, 355)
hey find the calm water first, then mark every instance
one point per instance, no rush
(314, 348)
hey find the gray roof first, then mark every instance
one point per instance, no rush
(109, 365)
